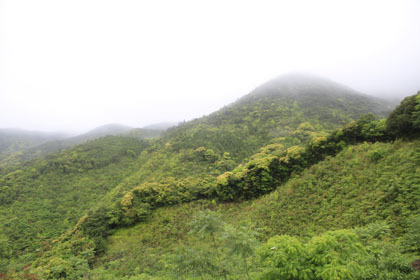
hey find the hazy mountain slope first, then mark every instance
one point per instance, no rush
(15, 140)
(312, 92)
(143, 133)
(354, 188)
(48, 147)
(108, 129)
(276, 109)
(160, 126)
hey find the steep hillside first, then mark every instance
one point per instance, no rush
(293, 105)
(362, 185)
(204, 148)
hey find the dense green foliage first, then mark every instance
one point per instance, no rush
(212, 247)
(340, 254)
(40, 200)
(405, 119)
(306, 205)
(260, 175)
(351, 189)
(274, 165)
(128, 205)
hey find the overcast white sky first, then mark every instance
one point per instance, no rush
(74, 65)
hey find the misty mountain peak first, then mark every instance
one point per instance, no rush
(298, 84)
(110, 128)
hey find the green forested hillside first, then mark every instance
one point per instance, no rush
(228, 137)
(118, 184)
(363, 185)
(41, 199)
(356, 188)
(279, 108)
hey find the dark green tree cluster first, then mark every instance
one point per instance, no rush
(404, 121)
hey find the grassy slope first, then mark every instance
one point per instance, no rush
(354, 188)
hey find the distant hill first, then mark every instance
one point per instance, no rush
(104, 130)
(14, 140)
(319, 97)
(160, 126)
(51, 145)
